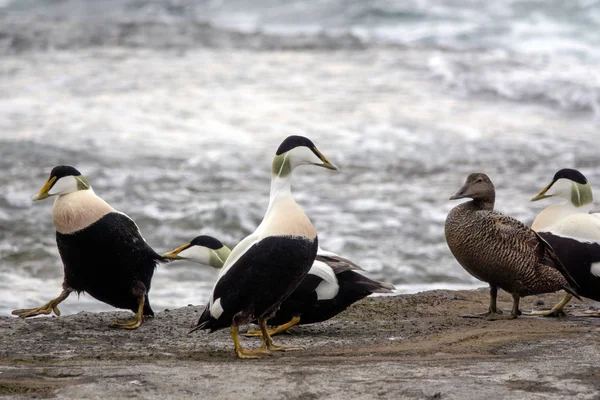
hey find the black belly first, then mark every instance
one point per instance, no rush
(578, 257)
(109, 260)
(352, 287)
(302, 300)
(263, 278)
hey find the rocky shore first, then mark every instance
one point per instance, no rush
(407, 346)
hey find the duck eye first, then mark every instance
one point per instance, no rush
(479, 180)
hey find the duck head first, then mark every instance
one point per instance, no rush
(204, 250)
(63, 179)
(295, 151)
(478, 187)
(568, 184)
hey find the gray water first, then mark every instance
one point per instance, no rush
(173, 111)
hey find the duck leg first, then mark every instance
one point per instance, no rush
(134, 323)
(246, 353)
(514, 313)
(557, 310)
(46, 309)
(492, 310)
(276, 330)
(268, 342)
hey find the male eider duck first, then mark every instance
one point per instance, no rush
(331, 285)
(573, 233)
(102, 249)
(265, 267)
(500, 250)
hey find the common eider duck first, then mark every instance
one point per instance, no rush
(266, 267)
(573, 233)
(331, 285)
(500, 250)
(102, 249)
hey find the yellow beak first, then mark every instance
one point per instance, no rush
(43, 193)
(542, 195)
(326, 163)
(174, 255)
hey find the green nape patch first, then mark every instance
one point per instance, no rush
(281, 166)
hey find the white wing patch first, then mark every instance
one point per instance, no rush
(581, 227)
(329, 288)
(216, 309)
(595, 270)
(325, 253)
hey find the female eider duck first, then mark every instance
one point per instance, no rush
(573, 233)
(500, 250)
(331, 285)
(265, 267)
(102, 249)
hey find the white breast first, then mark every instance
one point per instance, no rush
(75, 211)
(550, 215)
(285, 217)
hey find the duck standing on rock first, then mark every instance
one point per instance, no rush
(266, 267)
(102, 249)
(573, 233)
(331, 285)
(500, 250)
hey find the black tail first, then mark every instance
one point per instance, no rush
(363, 284)
(355, 286)
(160, 259)
(338, 264)
(205, 320)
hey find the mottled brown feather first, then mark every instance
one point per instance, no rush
(502, 251)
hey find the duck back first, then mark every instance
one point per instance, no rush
(502, 251)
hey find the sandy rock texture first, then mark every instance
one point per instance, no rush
(407, 346)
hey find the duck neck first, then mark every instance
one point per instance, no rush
(571, 208)
(280, 188)
(218, 257)
(486, 203)
(281, 176)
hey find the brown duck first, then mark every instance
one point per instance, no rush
(500, 250)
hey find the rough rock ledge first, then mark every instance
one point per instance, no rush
(406, 346)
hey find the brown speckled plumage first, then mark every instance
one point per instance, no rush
(498, 249)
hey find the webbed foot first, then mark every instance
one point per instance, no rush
(134, 323)
(484, 315)
(275, 331)
(48, 308)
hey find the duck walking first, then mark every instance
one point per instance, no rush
(266, 267)
(500, 250)
(331, 285)
(573, 233)
(102, 249)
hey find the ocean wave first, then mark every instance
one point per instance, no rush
(528, 26)
(23, 34)
(569, 84)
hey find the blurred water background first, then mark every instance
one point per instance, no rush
(173, 110)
